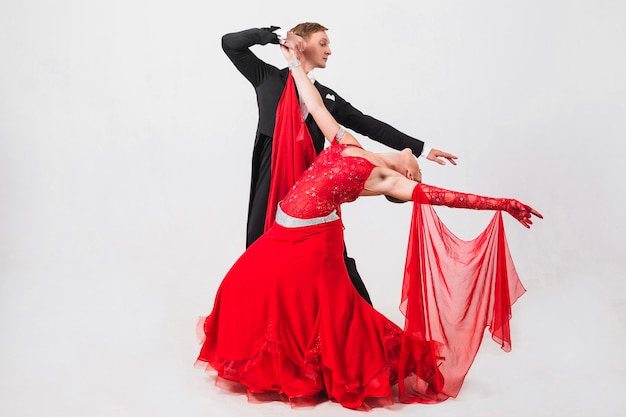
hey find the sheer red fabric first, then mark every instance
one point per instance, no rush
(292, 149)
(452, 290)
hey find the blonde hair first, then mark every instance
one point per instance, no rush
(306, 29)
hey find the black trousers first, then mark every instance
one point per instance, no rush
(257, 208)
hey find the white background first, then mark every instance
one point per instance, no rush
(125, 145)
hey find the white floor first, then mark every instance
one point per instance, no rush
(124, 346)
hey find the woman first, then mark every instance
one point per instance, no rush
(287, 322)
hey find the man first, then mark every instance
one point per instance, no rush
(311, 40)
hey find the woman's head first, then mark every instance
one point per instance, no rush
(404, 163)
(409, 165)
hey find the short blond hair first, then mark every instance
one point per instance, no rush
(306, 29)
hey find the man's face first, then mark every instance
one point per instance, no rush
(317, 49)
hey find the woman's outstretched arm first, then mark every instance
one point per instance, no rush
(389, 182)
(442, 197)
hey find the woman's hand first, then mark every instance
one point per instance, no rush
(522, 212)
(289, 54)
(295, 42)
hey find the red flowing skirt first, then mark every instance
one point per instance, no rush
(288, 322)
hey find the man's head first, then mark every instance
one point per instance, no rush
(317, 48)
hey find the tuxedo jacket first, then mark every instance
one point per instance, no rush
(269, 83)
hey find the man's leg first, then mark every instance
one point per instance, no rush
(259, 189)
(355, 277)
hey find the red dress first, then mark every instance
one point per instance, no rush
(287, 318)
(288, 323)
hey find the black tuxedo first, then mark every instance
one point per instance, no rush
(269, 83)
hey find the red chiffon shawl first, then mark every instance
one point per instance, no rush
(292, 149)
(452, 290)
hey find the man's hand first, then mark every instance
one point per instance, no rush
(295, 43)
(436, 155)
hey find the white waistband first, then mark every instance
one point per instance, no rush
(286, 220)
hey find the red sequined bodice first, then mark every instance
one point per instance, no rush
(331, 180)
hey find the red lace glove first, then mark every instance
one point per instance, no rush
(441, 197)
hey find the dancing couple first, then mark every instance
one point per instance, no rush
(288, 321)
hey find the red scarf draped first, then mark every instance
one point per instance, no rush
(452, 290)
(292, 149)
